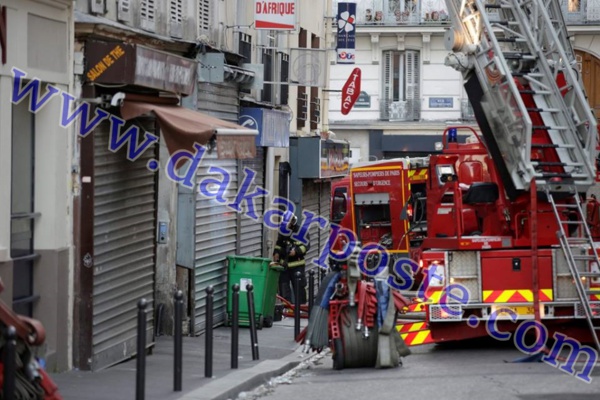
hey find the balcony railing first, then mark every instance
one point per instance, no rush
(409, 110)
(434, 12)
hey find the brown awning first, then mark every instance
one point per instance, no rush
(182, 127)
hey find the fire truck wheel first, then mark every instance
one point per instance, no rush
(359, 352)
(338, 354)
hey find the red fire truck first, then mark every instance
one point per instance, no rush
(505, 216)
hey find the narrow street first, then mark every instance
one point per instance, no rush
(479, 370)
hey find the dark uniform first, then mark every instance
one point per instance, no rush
(290, 254)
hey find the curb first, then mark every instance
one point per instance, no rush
(229, 386)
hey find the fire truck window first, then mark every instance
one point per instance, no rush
(339, 209)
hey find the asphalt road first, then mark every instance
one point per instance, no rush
(474, 370)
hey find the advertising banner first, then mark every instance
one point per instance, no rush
(346, 33)
(275, 15)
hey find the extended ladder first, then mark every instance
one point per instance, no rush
(571, 247)
(533, 101)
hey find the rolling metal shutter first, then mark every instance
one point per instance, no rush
(124, 249)
(219, 100)
(216, 237)
(250, 235)
(310, 202)
(316, 198)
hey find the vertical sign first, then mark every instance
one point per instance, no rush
(351, 91)
(275, 15)
(346, 32)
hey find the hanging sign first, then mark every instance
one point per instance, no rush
(351, 91)
(275, 15)
(346, 30)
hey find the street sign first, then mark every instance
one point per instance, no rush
(351, 91)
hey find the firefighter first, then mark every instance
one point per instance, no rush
(290, 253)
(593, 216)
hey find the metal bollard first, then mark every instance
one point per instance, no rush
(141, 351)
(178, 342)
(235, 325)
(297, 304)
(10, 365)
(251, 315)
(208, 346)
(311, 290)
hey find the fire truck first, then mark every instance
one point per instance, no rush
(504, 212)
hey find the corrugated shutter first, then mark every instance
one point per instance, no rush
(219, 100)
(250, 241)
(324, 211)
(124, 249)
(216, 237)
(310, 202)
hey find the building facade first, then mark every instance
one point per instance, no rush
(35, 173)
(144, 228)
(408, 95)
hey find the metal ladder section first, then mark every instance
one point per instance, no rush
(527, 40)
(570, 246)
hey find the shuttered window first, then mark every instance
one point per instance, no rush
(203, 16)
(98, 6)
(176, 18)
(267, 60)
(401, 88)
(124, 10)
(284, 74)
(148, 15)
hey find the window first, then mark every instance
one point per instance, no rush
(401, 99)
(22, 208)
(203, 17)
(245, 50)
(267, 60)
(147, 15)
(284, 75)
(176, 18)
(315, 102)
(339, 208)
(245, 46)
(124, 10)
(302, 104)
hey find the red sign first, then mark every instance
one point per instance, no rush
(350, 91)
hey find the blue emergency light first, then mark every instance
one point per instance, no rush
(452, 135)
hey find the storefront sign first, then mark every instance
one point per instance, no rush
(273, 125)
(120, 63)
(346, 21)
(275, 15)
(351, 91)
(335, 158)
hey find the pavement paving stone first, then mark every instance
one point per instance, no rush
(277, 354)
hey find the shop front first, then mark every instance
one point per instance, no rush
(314, 164)
(131, 166)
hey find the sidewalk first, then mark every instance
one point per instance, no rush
(277, 350)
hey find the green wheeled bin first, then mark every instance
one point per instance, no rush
(264, 277)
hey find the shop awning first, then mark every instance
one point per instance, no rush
(182, 127)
